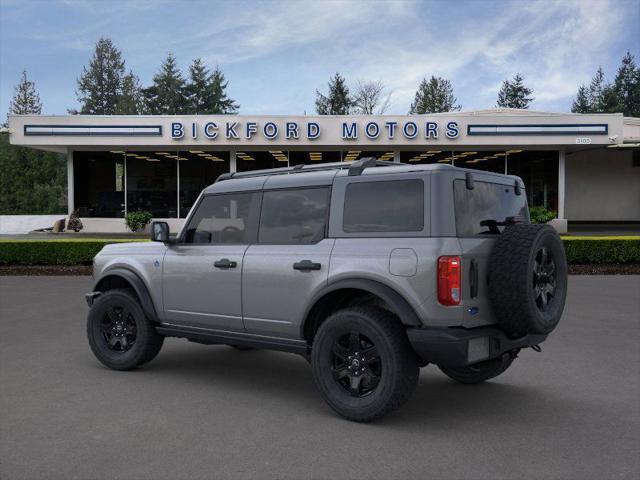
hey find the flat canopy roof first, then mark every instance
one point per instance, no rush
(485, 128)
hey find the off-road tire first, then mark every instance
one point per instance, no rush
(479, 372)
(397, 362)
(512, 279)
(147, 342)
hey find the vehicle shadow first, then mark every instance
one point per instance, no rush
(438, 401)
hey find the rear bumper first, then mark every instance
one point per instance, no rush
(456, 347)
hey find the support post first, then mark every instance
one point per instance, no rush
(560, 223)
(232, 161)
(396, 156)
(177, 188)
(71, 206)
(561, 183)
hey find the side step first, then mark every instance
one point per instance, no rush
(215, 337)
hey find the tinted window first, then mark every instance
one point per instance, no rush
(392, 206)
(223, 219)
(487, 201)
(294, 216)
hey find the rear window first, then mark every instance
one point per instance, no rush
(389, 206)
(487, 201)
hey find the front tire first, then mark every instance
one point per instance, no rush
(119, 333)
(363, 364)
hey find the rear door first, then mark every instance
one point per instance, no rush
(289, 262)
(486, 202)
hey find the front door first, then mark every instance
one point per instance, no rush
(202, 274)
(289, 263)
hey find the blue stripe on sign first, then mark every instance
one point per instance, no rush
(532, 129)
(94, 130)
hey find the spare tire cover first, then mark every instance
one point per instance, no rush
(527, 279)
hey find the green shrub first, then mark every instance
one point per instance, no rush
(137, 220)
(602, 249)
(541, 215)
(580, 250)
(52, 252)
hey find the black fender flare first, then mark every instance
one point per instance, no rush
(396, 302)
(138, 286)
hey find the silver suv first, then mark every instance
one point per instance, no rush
(370, 270)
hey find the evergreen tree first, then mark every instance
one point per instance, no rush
(433, 96)
(627, 86)
(25, 99)
(100, 85)
(206, 92)
(514, 94)
(581, 104)
(130, 101)
(167, 95)
(596, 91)
(338, 101)
(196, 89)
(218, 100)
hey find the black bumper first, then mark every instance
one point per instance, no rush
(456, 347)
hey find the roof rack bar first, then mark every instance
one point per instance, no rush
(357, 166)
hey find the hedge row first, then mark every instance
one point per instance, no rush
(580, 250)
(600, 250)
(52, 252)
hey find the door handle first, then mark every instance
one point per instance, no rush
(225, 263)
(306, 265)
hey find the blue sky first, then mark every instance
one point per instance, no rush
(275, 54)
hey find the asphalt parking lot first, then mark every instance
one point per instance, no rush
(572, 411)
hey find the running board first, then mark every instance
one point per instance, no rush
(215, 337)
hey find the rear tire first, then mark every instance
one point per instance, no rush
(363, 364)
(479, 372)
(119, 333)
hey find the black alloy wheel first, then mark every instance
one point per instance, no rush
(544, 281)
(356, 364)
(118, 328)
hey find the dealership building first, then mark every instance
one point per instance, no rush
(585, 167)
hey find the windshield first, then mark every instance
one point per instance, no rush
(478, 210)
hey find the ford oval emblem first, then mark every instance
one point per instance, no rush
(473, 310)
(156, 264)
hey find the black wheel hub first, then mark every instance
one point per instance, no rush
(356, 364)
(118, 329)
(544, 279)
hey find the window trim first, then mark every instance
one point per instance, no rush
(252, 227)
(325, 233)
(386, 233)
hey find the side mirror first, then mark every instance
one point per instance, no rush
(160, 232)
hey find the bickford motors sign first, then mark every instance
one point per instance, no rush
(294, 130)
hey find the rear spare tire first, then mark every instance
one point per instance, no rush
(527, 279)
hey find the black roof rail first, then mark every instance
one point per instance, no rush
(224, 176)
(355, 168)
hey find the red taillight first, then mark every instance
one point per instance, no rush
(449, 280)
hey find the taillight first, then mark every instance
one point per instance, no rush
(449, 280)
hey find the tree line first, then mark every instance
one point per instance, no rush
(33, 181)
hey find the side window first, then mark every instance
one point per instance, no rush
(295, 216)
(384, 206)
(223, 219)
(486, 202)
